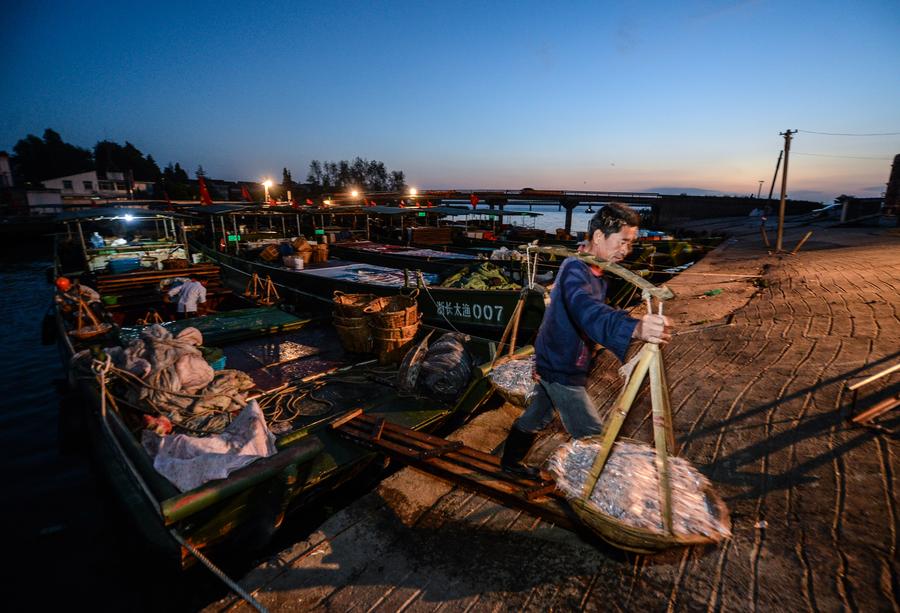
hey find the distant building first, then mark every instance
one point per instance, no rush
(6, 179)
(97, 186)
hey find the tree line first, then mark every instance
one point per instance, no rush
(35, 159)
(366, 175)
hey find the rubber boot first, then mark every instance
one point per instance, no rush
(514, 451)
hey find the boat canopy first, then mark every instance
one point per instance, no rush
(102, 213)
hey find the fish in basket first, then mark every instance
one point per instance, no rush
(623, 505)
(514, 380)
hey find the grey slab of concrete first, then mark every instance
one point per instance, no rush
(760, 405)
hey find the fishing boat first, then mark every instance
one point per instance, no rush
(300, 378)
(407, 257)
(483, 311)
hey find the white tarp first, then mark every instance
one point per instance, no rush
(190, 461)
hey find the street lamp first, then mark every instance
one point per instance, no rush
(267, 184)
(413, 191)
(354, 193)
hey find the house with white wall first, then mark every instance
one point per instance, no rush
(94, 185)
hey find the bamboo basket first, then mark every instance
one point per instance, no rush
(513, 397)
(392, 344)
(86, 332)
(270, 253)
(641, 540)
(319, 253)
(354, 333)
(351, 305)
(394, 311)
(174, 264)
(394, 333)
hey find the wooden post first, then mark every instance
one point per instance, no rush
(775, 176)
(87, 259)
(801, 243)
(765, 237)
(187, 252)
(787, 150)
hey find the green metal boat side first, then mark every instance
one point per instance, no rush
(230, 326)
(179, 507)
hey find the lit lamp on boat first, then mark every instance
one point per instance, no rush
(267, 184)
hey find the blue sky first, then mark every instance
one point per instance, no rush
(577, 95)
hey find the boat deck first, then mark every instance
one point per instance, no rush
(758, 377)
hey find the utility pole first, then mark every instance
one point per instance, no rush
(775, 176)
(759, 191)
(787, 150)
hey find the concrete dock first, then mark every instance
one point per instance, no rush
(758, 376)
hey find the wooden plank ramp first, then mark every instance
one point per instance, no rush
(460, 465)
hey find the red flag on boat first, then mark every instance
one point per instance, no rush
(245, 193)
(204, 193)
(272, 201)
(474, 200)
(309, 201)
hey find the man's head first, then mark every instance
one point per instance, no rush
(612, 231)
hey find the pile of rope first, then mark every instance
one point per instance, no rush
(165, 375)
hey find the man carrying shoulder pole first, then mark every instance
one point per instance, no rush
(577, 322)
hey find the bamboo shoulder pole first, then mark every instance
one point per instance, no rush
(660, 293)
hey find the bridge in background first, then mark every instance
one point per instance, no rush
(664, 208)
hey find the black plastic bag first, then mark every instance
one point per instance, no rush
(447, 366)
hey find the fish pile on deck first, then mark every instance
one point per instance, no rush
(628, 488)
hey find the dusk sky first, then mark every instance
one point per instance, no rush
(587, 95)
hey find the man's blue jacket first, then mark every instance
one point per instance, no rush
(578, 318)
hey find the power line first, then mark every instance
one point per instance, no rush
(849, 157)
(848, 134)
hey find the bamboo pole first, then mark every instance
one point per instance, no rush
(765, 237)
(660, 293)
(617, 418)
(875, 377)
(877, 409)
(801, 243)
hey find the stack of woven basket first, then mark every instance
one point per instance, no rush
(351, 321)
(303, 249)
(394, 321)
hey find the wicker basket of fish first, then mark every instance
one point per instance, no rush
(624, 504)
(514, 380)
